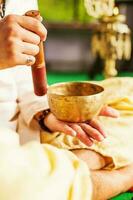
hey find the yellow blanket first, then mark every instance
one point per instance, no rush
(119, 143)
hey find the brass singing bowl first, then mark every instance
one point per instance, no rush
(75, 101)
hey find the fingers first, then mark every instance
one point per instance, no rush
(98, 126)
(92, 132)
(27, 28)
(81, 134)
(62, 127)
(29, 37)
(25, 54)
(56, 125)
(33, 25)
(39, 18)
(82, 131)
(23, 59)
(109, 112)
(22, 36)
(30, 49)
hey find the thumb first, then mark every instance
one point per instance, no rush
(109, 112)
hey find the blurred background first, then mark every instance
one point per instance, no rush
(68, 46)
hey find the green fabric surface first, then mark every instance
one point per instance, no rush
(125, 196)
(56, 77)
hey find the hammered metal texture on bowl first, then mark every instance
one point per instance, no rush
(75, 101)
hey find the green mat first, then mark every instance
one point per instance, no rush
(125, 196)
(56, 77)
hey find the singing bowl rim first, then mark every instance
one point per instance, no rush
(53, 86)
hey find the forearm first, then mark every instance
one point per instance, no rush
(94, 160)
(107, 184)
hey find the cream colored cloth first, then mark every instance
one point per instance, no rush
(40, 172)
(119, 143)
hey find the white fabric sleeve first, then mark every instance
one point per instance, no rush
(37, 172)
(20, 7)
(28, 102)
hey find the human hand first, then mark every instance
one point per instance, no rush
(19, 39)
(86, 132)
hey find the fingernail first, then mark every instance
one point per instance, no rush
(101, 138)
(44, 38)
(104, 134)
(89, 143)
(115, 113)
(74, 133)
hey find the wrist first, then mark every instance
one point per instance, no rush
(40, 118)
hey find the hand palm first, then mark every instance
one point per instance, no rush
(86, 132)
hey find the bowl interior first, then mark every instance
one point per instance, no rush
(75, 89)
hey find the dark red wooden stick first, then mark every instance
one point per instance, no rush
(39, 68)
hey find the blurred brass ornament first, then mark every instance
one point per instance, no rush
(75, 101)
(112, 38)
(112, 41)
(99, 8)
